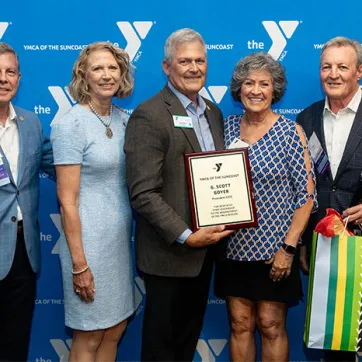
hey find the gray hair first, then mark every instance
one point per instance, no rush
(6, 48)
(341, 41)
(259, 62)
(181, 36)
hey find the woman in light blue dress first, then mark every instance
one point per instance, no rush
(95, 249)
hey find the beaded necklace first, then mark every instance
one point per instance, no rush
(109, 132)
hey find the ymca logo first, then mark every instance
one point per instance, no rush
(210, 349)
(57, 220)
(3, 27)
(62, 348)
(279, 35)
(214, 93)
(63, 99)
(218, 166)
(133, 35)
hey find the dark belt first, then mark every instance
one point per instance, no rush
(20, 227)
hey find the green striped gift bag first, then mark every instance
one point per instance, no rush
(333, 319)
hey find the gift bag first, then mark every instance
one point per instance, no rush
(334, 307)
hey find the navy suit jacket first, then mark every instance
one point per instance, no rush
(35, 153)
(339, 192)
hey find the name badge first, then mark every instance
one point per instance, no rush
(182, 121)
(4, 177)
(319, 157)
(237, 143)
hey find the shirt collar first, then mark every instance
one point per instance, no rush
(11, 116)
(352, 105)
(185, 101)
(12, 113)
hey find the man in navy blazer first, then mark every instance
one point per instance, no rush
(334, 127)
(23, 152)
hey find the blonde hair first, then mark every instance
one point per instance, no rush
(78, 87)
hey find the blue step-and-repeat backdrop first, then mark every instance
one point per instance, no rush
(48, 36)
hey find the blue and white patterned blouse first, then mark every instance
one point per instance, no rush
(280, 181)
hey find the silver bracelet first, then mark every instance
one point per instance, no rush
(80, 271)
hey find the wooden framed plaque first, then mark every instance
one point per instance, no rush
(220, 189)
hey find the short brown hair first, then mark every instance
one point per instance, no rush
(78, 87)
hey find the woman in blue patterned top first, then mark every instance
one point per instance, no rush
(260, 277)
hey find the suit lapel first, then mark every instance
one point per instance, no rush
(354, 139)
(23, 144)
(214, 127)
(175, 108)
(319, 130)
(6, 165)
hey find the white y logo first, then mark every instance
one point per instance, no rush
(3, 27)
(210, 349)
(278, 38)
(57, 220)
(214, 93)
(133, 34)
(62, 349)
(63, 99)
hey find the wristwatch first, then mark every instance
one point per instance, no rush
(290, 249)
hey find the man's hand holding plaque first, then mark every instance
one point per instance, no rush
(207, 236)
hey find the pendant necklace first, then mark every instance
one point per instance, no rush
(109, 132)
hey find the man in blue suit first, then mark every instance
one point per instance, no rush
(334, 125)
(23, 152)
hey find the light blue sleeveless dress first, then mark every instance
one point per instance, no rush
(105, 213)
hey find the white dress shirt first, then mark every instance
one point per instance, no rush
(9, 142)
(337, 128)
